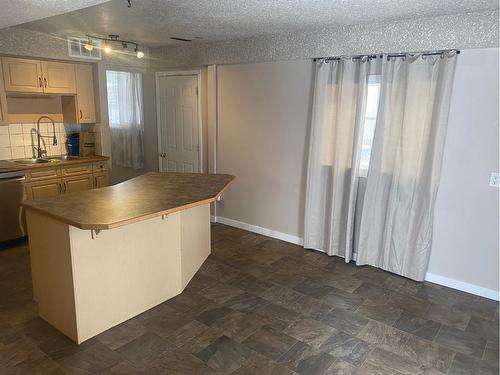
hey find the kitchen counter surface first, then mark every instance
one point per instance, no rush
(11, 166)
(150, 195)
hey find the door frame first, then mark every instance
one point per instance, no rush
(196, 73)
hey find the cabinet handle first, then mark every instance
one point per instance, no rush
(45, 81)
(59, 188)
(95, 181)
(40, 81)
(81, 114)
(65, 187)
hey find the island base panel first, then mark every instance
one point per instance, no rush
(101, 281)
(51, 272)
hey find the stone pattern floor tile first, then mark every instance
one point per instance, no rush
(260, 306)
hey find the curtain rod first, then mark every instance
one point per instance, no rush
(400, 54)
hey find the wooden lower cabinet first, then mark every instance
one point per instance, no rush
(78, 183)
(43, 189)
(42, 184)
(101, 180)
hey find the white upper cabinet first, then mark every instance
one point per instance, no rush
(70, 83)
(85, 93)
(22, 75)
(58, 78)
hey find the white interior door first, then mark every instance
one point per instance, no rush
(178, 123)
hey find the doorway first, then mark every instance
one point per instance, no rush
(178, 108)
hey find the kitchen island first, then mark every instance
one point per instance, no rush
(103, 256)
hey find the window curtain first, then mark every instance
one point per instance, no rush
(334, 154)
(126, 119)
(395, 230)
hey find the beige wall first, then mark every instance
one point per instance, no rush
(466, 226)
(262, 139)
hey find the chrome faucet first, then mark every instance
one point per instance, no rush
(39, 150)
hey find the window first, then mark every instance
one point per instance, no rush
(126, 119)
(370, 119)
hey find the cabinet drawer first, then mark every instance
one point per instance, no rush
(42, 174)
(100, 166)
(76, 170)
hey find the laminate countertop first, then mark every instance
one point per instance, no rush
(11, 166)
(147, 196)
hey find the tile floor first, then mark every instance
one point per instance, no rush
(261, 306)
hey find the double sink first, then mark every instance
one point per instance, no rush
(53, 159)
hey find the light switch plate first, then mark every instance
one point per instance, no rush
(495, 179)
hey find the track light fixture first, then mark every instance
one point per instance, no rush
(106, 48)
(138, 53)
(113, 38)
(89, 46)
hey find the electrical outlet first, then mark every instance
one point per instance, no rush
(495, 179)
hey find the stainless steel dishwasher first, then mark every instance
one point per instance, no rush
(11, 195)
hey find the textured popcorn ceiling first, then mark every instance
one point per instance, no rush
(152, 22)
(460, 31)
(15, 12)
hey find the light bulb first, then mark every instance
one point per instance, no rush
(139, 54)
(107, 48)
(88, 46)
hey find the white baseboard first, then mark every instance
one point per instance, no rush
(436, 279)
(260, 230)
(463, 286)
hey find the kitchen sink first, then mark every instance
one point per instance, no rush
(30, 161)
(52, 159)
(65, 157)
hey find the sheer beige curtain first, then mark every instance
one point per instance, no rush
(334, 153)
(126, 118)
(396, 225)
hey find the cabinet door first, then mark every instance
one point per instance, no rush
(22, 75)
(101, 180)
(3, 100)
(43, 189)
(58, 78)
(85, 93)
(80, 183)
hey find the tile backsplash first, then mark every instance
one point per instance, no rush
(20, 140)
